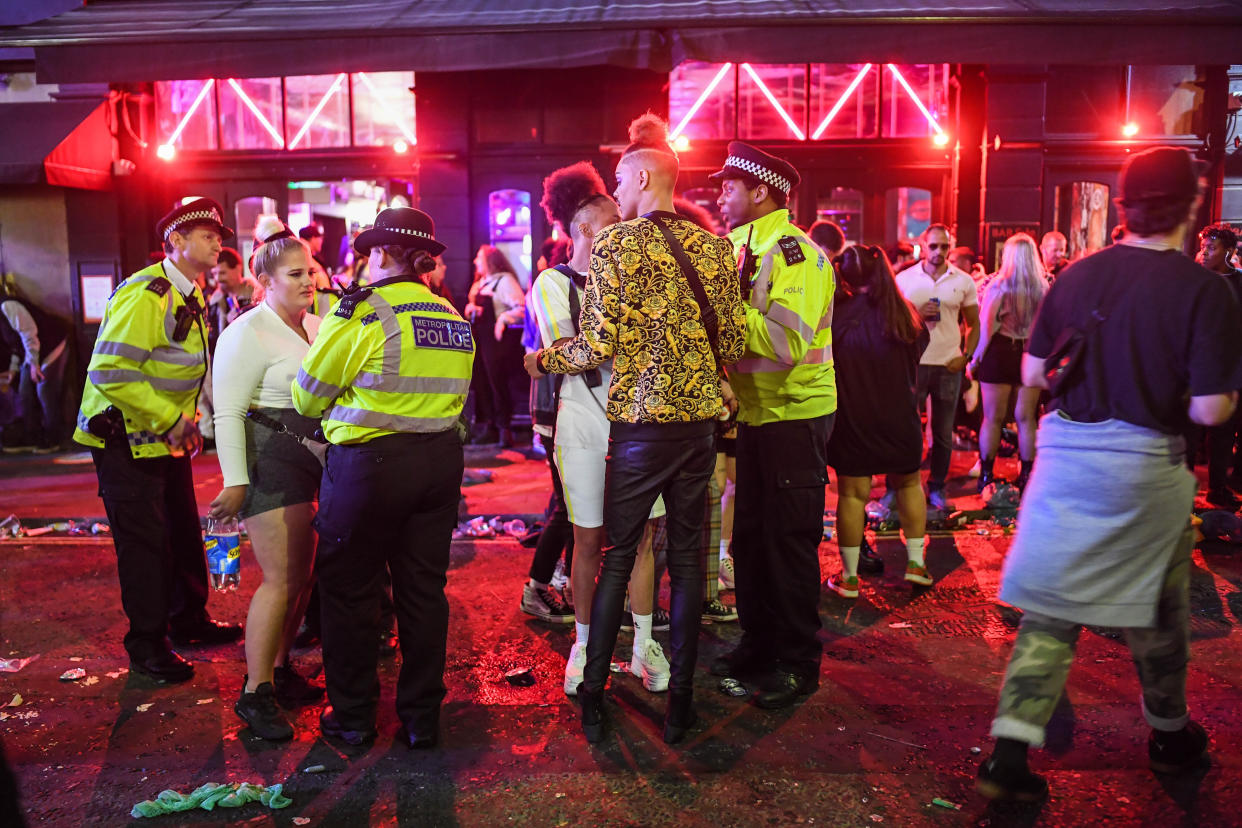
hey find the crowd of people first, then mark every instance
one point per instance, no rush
(692, 389)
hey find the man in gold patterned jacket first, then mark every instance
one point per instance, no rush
(663, 300)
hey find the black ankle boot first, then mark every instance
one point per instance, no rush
(1024, 475)
(680, 716)
(593, 724)
(985, 473)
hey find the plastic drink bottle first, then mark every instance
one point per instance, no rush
(223, 545)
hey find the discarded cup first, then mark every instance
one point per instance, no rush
(10, 526)
(514, 528)
(520, 677)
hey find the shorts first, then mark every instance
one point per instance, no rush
(283, 472)
(582, 473)
(1002, 361)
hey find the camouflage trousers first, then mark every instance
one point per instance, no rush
(1044, 650)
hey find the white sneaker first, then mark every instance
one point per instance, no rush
(726, 573)
(574, 668)
(650, 665)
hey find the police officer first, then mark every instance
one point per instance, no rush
(388, 374)
(786, 393)
(137, 417)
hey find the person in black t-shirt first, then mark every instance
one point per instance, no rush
(1103, 536)
(1217, 243)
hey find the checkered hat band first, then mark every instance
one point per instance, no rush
(408, 232)
(760, 172)
(197, 215)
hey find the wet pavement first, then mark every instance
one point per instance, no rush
(908, 685)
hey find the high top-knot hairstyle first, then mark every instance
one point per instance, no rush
(272, 240)
(649, 147)
(568, 190)
(649, 132)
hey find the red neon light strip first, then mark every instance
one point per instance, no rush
(185, 119)
(392, 119)
(336, 84)
(772, 100)
(849, 90)
(271, 130)
(707, 91)
(906, 86)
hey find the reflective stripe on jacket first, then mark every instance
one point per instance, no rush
(399, 363)
(786, 372)
(137, 366)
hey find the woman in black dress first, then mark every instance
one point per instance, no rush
(877, 338)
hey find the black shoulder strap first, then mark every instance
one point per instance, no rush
(706, 309)
(353, 295)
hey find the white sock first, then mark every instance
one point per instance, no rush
(914, 549)
(642, 630)
(724, 548)
(849, 560)
(583, 632)
(536, 585)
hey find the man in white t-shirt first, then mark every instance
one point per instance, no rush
(944, 296)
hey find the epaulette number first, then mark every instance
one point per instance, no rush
(792, 250)
(345, 308)
(159, 286)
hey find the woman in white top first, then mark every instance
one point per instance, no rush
(575, 198)
(496, 304)
(1009, 304)
(270, 477)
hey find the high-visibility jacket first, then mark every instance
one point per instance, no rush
(139, 366)
(392, 358)
(786, 372)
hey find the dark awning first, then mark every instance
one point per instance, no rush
(65, 143)
(133, 40)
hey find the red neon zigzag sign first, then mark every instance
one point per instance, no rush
(789, 122)
(387, 110)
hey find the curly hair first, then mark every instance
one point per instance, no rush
(697, 213)
(568, 190)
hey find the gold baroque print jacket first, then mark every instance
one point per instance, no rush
(638, 309)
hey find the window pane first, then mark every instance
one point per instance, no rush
(509, 219)
(908, 212)
(903, 118)
(833, 114)
(250, 114)
(317, 107)
(1086, 100)
(711, 87)
(845, 207)
(1166, 100)
(191, 101)
(383, 108)
(1082, 214)
(778, 113)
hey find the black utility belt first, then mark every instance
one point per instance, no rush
(280, 428)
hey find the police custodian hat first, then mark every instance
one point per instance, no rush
(745, 160)
(402, 226)
(200, 211)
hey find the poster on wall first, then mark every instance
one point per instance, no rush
(96, 288)
(1087, 212)
(998, 233)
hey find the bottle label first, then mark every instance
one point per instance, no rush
(223, 554)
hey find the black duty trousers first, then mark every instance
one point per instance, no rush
(674, 460)
(392, 501)
(159, 545)
(777, 527)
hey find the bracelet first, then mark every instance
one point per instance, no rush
(539, 363)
